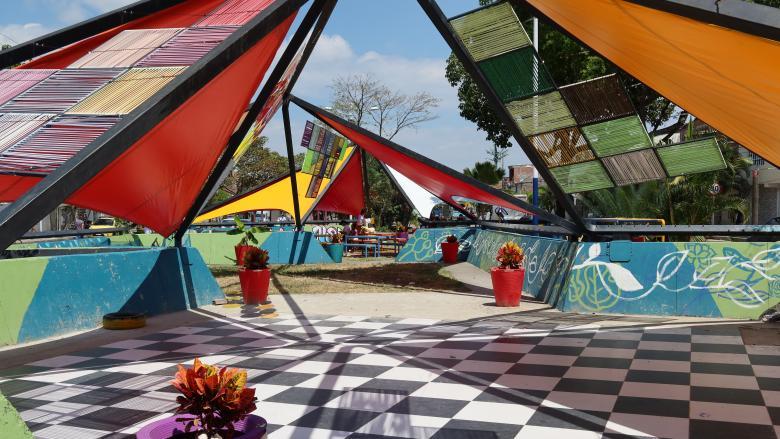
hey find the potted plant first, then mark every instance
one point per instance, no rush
(335, 248)
(214, 403)
(508, 276)
(246, 240)
(254, 276)
(449, 249)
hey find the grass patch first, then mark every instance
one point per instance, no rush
(353, 275)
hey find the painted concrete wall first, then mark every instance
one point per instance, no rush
(46, 296)
(295, 248)
(546, 260)
(707, 279)
(424, 245)
(95, 241)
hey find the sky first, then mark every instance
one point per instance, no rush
(393, 40)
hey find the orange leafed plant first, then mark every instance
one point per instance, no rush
(510, 255)
(452, 239)
(216, 398)
(255, 259)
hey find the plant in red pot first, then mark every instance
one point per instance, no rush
(246, 240)
(255, 276)
(449, 249)
(214, 403)
(508, 276)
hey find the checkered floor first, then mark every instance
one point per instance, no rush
(524, 375)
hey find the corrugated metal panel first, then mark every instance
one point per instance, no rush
(126, 48)
(581, 177)
(14, 127)
(539, 114)
(234, 12)
(128, 91)
(597, 99)
(187, 47)
(512, 74)
(634, 167)
(60, 91)
(617, 136)
(692, 157)
(562, 147)
(491, 31)
(55, 143)
(15, 81)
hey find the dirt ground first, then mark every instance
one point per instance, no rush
(374, 275)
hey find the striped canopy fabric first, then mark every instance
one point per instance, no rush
(562, 147)
(13, 82)
(16, 126)
(617, 136)
(60, 91)
(56, 142)
(512, 75)
(634, 167)
(127, 92)
(125, 49)
(691, 157)
(597, 99)
(581, 177)
(234, 13)
(491, 31)
(540, 114)
(187, 47)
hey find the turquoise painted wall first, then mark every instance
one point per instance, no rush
(706, 279)
(295, 248)
(546, 260)
(424, 245)
(47, 296)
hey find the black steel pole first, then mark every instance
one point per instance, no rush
(439, 20)
(214, 178)
(291, 161)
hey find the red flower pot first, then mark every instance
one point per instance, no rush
(507, 285)
(449, 252)
(240, 250)
(254, 285)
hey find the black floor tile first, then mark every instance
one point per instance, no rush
(729, 396)
(652, 406)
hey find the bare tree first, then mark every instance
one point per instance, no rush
(367, 102)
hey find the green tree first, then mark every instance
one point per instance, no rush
(486, 172)
(258, 165)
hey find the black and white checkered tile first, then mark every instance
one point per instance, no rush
(525, 375)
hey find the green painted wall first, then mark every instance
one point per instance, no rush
(20, 276)
(11, 423)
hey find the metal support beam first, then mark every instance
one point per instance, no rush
(291, 161)
(77, 32)
(443, 26)
(366, 185)
(53, 190)
(725, 230)
(319, 113)
(319, 11)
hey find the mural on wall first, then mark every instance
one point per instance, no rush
(546, 259)
(726, 279)
(425, 244)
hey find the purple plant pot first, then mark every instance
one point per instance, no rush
(252, 427)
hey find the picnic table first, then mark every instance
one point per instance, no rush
(374, 242)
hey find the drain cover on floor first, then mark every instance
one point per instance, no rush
(767, 334)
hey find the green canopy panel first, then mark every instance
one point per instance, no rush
(581, 177)
(308, 161)
(691, 157)
(617, 136)
(562, 147)
(634, 167)
(512, 74)
(490, 31)
(540, 114)
(597, 99)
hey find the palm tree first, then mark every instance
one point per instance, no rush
(486, 172)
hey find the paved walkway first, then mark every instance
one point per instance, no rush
(530, 374)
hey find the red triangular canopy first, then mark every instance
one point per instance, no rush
(443, 184)
(345, 192)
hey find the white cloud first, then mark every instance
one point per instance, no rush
(17, 33)
(449, 139)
